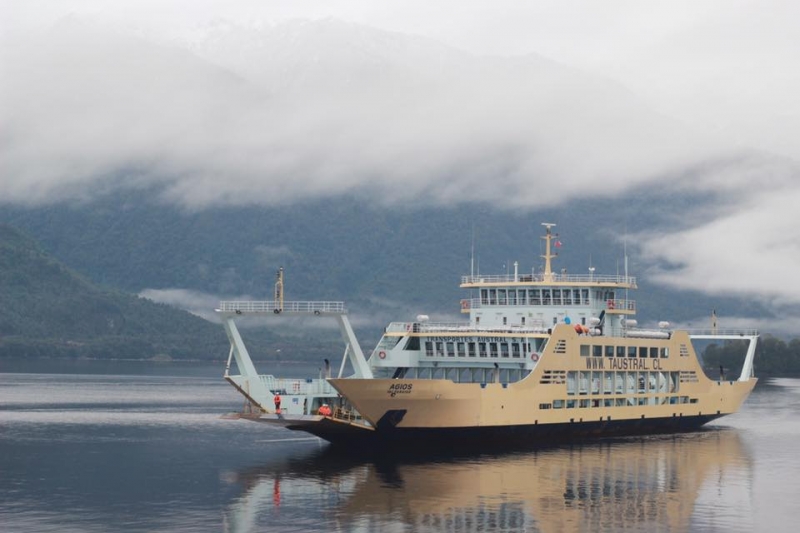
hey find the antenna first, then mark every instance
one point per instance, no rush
(279, 289)
(472, 254)
(548, 273)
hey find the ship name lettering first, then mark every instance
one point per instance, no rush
(628, 364)
(399, 388)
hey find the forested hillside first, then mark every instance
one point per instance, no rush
(50, 311)
(386, 263)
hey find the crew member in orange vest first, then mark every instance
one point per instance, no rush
(277, 401)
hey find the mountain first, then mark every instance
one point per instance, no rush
(49, 310)
(365, 162)
(386, 264)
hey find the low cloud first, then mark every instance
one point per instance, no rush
(319, 109)
(278, 114)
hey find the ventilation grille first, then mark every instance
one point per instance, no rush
(688, 376)
(561, 347)
(554, 377)
(684, 351)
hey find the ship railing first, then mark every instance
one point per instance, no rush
(536, 326)
(300, 387)
(727, 333)
(478, 303)
(618, 304)
(347, 415)
(276, 307)
(554, 277)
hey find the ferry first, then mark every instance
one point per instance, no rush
(543, 357)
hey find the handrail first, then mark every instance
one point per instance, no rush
(460, 327)
(730, 332)
(556, 278)
(273, 306)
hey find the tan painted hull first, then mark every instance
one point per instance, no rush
(441, 404)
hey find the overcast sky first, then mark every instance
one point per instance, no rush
(700, 96)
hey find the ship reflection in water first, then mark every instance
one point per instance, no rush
(675, 483)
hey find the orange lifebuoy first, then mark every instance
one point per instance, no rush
(534, 357)
(382, 354)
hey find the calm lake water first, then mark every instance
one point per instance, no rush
(99, 446)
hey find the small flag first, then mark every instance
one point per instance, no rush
(558, 244)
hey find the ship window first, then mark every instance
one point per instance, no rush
(631, 351)
(619, 382)
(570, 404)
(583, 321)
(544, 406)
(583, 403)
(608, 385)
(460, 347)
(642, 377)
(596, 377)
(630, 382)
(571, 383)
(484, 296)
(576, 297)
(501, 296)
(450, 351)
(505, 321)
(585, 296)
(504, 349)
(482, 349)
(523, 321)
(642, 351)
(546, 298)
(653, 353)
(412, 344)
(429, 348)
(597, 351)
(674, 382)
(555, 320)
(492, 297)
(439, 349)
(664, 353)
(663, 382)
(493, 349)
(567, 297)
(471, 349)
(512, 297)
(583, 384)
(523, 300)
(585, 350)
(515, 350)
(558, 404)
(556, 296)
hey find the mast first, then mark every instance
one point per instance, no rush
(548, 256)
(279, 289)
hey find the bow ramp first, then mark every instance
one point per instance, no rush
(260, 389)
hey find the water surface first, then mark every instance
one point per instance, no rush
(142, 447)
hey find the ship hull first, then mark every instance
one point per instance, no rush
(483, 438)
